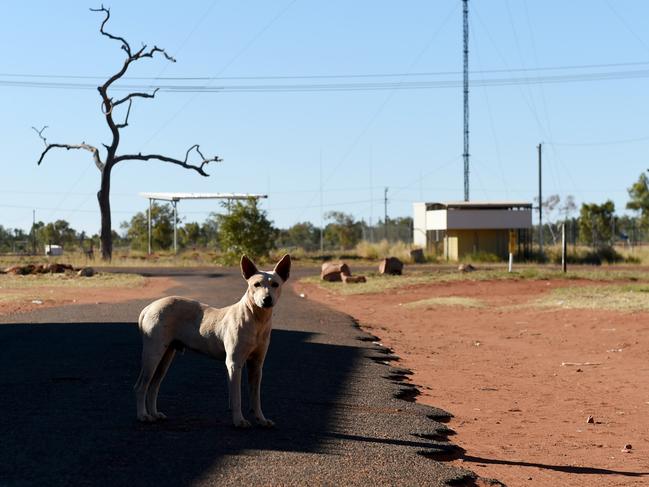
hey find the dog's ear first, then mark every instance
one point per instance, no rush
(283, 267)
(248, 268)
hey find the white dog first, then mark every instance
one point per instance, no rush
(238, 334)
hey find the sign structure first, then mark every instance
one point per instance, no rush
(513, 241)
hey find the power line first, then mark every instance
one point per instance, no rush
(332, 76)
(337, 87)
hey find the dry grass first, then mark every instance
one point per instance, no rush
(377, 283)
(614, 297)
(459, 301)
(383, 249)
(638, 252)
(67, 280)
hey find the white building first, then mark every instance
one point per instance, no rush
(457, 229)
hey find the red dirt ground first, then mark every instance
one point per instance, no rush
(520, 415)
(59, 296)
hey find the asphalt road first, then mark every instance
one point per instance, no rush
(67, 409)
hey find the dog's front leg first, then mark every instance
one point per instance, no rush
(234, 376)
(254, 366)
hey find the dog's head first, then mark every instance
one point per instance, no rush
(265, 288)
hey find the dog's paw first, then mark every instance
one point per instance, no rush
(242, 423)
(145, 418)
(265, 423)
(160, 415)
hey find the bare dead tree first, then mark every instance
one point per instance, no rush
(108, 106)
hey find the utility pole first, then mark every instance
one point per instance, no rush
(175, 203)
(371, 201)
(321, 211)
(385, 207)
(465, 9)
(34, 232)
(150, 206)
(540, 202)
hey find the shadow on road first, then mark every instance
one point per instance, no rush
(67, 410)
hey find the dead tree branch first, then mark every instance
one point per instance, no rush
(130, 97)
(125, 45)
(198, 167)
(125, 123)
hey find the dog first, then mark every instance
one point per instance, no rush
(238, 334)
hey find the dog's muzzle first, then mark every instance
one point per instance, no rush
(267, 302)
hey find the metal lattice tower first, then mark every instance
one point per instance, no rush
(465, 9)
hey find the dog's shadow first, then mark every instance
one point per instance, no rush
(67, 408)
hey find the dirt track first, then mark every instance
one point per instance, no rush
(519, 414)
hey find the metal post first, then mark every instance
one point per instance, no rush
(321, 211)
(175, 229)
(540, 203)
(564, 263)
(385, 208)
(149, 221)
(465, 10)
(34, 232)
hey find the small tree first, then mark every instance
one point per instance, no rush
(639, 199)
(59, 233)
(245, 230)
(556, 213)
(162, 228)
(109, 106)
(596, 224)
(304, 235)
(344, 232)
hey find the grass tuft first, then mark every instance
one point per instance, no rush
(614, 297)
(446, 301)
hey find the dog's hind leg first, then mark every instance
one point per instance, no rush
(151, 357)
(154, 386)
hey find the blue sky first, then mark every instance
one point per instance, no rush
(595, 133)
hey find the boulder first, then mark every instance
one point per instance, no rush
(392, 266)
(56, 268)
(417, 256)
(20, 270)
(466, 268)
(353, 279)
(333, 271)
(86, 272)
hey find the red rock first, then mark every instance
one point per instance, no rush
(392, 266)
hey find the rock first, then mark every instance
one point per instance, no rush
(590, 420)
(628, 446)
(392, 266)
(333, 271)
(56, 268)
(20, 270)
(466, 268)
(417, 256)
(353, 279)
(86, 272)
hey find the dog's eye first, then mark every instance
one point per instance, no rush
(257, 284)
(275, 284)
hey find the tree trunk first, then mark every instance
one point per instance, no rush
(103, 196)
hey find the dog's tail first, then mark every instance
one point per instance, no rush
(139, 324)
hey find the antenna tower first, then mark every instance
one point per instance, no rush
(465, 10)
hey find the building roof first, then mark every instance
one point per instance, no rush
(202, 196)
(479, 205)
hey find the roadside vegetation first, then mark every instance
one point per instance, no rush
(596, 235)
(377, 283)
(70, 280)
(614, 297)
